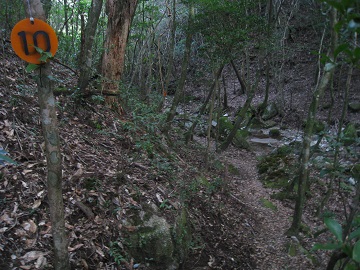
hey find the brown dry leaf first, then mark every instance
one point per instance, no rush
(26, 171)
(100, 252)
(40, 262)
(36, 204)
(20, 232)
(78, 173)
(30, 226)
(75, 247)
(40, 194)
(5, 218)
(29, 166)
(26, 267)
(130, 228)
(32, 255)
(46, 231)
(29, 243)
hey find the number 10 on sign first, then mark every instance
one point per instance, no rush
(27, 35)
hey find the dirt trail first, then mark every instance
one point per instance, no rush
(268, 226)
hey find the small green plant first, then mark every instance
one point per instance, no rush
(116, 252)
(44, 57)
(4, 158)
(165, 204)
(346, 245)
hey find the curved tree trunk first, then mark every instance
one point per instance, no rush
(53, 156)
(120, 15)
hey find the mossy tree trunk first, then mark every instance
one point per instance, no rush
(85, 62)
(53, 157)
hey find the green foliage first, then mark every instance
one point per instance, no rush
(226, 26)
(5, 159)
(116, 252)
(274, 133)
(347, 244)
(349, 134)
(44, 57)
(225, 126)
(347, 25)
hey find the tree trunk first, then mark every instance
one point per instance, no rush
(241, 116)
(86, 53)
(52, 148)
(120, 15)
(190, 132)
(308, 132)
(240, 79)
(184, 67)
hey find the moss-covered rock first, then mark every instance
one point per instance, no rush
(225, 126)
(277, 169)
(182, 236)
(151, 241)
(354, 107)
(350, 134)
(270, 112)
(240, 139)
(274, 133)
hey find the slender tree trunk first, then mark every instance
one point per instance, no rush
(66, 18)
(53, 156)
(208, 133)
(120, 15)
(190, 132)
(87, 44)
(170, 66)
(305, 154)
(241, 115)
(308, 132)
(238, 75)
(184, 67)
(225, 101)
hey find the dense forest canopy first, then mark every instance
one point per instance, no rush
(162, 122)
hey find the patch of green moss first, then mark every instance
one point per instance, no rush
(225, 126)
(274, 133)
(268, 204)
(91, 183)
(292, 250)
(283, 195)
(277, 169)
(233, 170)
(240, 139)
(350, 134)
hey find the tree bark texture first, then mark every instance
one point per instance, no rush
(53, 156)
(190, 132)
(305, 153)
(304, 169)
(241, 116)
(184, 66)
(120, 14)
(89, 36)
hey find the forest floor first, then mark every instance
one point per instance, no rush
(109, 169)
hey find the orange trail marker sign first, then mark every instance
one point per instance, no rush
(26, 35)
